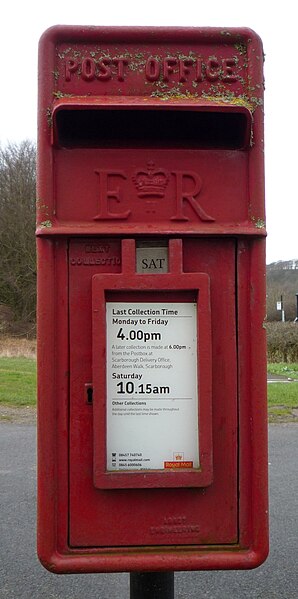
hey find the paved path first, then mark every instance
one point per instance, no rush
(279, 378)
(22, 577)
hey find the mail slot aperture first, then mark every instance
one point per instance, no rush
(76, 127)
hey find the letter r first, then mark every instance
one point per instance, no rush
(183, 195)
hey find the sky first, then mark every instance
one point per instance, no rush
(24, 22)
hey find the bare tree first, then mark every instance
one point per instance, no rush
(17, 224)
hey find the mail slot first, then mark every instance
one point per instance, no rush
(152, 425)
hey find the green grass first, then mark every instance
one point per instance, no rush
(283, 394)
(283, 397)
(18, 381)
(288, 370)
(18, 385)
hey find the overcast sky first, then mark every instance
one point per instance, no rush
(23, 22)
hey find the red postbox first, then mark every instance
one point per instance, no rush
(152, 426)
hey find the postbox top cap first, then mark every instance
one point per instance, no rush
(140, 102)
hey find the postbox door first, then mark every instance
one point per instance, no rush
(165, 516)
(151, 361)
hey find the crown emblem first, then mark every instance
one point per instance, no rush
(151, 182)
(178, 456)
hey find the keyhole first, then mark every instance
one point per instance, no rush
(89, 391)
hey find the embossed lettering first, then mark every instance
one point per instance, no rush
(120, 64)
(95, 248)
(165, 530)
(106, 194)
(88, 69)
(188, 185)
(168, 67)
(199, 69)
(175, 525)
(228, 64)
(183, 195)
(104, 71)
(212, 69)
(81, 261)
(184, 69)
(152, 69)
(174, 519)
(71, 66)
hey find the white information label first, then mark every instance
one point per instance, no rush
(152, 396)
(152, 260)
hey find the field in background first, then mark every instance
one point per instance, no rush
(18, 381)
(282, 341)
(17, 347)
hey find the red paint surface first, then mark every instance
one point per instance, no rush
(102, 185)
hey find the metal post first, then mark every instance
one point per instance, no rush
(152, 585)
(296, 319)
(283, 316)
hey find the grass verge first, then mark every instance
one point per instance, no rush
(18, 387)
(18, 381)
(283, 396)
(283, 402)
(283, 368)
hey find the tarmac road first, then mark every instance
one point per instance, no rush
(279, 378)
(22, 577)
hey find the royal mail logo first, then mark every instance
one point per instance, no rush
(151, 182)
(178, 464)
(178, 456)
(178, 461)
